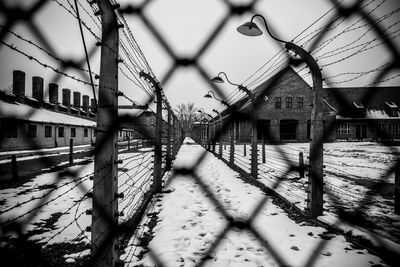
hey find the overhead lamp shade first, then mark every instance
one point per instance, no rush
(217, 79)
(249, 29)
(208, 95)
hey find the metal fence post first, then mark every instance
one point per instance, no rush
(232, 145)
(263, 149)
(71, 151)
(244, 150)
(168, 156)
(104, 221)
(397, 190)
(14, 169)
(301, 165)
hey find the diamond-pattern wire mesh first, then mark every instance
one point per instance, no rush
(15, 16)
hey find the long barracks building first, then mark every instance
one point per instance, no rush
(370, 113)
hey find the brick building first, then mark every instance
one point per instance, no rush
(285, 111)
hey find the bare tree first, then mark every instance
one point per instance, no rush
(187, 114)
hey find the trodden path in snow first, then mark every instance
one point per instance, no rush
(189, 224)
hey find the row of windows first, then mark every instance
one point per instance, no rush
(289, 102)
(12, 131)
(344, 128)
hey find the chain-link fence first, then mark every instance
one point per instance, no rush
(109, 196)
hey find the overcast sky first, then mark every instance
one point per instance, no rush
(185, 25)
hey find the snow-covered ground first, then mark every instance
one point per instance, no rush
(351, 169)
(189, 224)
(52, 207)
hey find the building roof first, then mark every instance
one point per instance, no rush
(20, 111)
(369, 97)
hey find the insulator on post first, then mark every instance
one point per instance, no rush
(307, 200)
(88, 229)
(119, 214)
(115, 6)
(98, 43)
(96, 77)
(119, 195)
(120, 26)
(89, 194)
(97, 13)
(119, 60)
(118, 93)
(91, 178)
(119, 161)
(91, 2)
(88, 212)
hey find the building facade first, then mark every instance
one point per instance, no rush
(284, 112)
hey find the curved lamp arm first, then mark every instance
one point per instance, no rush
(226, 77)
(241, 87)
(266, 26)
(213, 95)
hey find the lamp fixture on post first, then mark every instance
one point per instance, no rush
(254, 150)
(211, 94)
(232, 127)
(315, 195)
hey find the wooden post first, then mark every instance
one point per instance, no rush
(104, 222)
(71, 151)
(129, 143)
(168, 156)
(244, 150)
(397, 190)
(263, 149)
(301, 165)
(14, 168)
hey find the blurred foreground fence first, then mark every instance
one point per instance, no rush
(115, 190)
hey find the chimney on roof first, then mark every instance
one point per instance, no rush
(85, 103)
(66, 97)
(77, 100)
(93, 105)
(37, 88)
(53, 93)
(19, 85)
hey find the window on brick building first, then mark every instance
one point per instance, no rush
(60, 131)
(343, 128)
(394, 128)
(278, 102)
(300, 102)
(32, 130)
(289, 102)
(73, 132)
(47, 131)
(85, 132)
(11, 130)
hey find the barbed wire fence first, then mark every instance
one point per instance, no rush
(130, 182)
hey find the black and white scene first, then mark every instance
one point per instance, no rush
(199, 133)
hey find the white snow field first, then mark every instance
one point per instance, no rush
(189, 223)
(52, 207)
(351, 170)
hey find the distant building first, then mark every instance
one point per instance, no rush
(144, 123)
(285, 111)
(32, 122)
